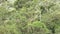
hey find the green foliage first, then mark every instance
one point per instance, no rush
(37, 28)
(29, 17)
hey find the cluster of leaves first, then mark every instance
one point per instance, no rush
(29, 17)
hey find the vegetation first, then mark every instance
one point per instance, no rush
(29, 16)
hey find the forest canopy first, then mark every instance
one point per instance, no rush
(29, 16)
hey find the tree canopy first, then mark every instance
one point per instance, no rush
(29, 16)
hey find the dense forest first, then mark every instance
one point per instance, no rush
(29, 16)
